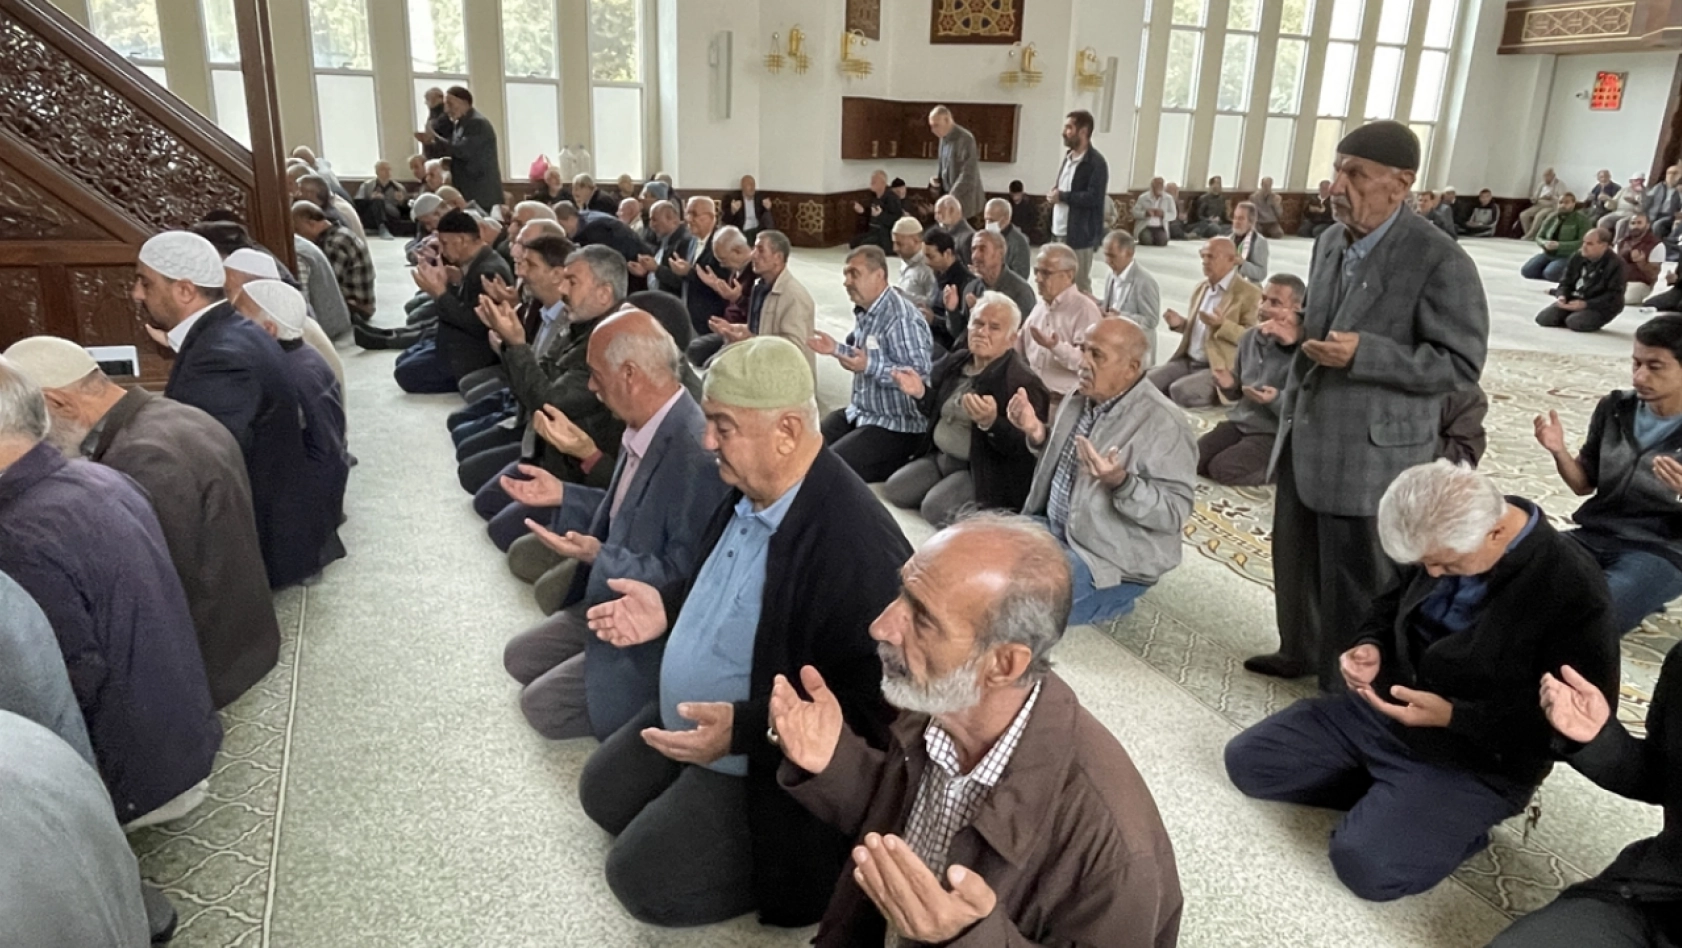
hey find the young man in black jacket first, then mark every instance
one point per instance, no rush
(1591, 294)
(1439, 736)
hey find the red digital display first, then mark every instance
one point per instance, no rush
(1608, 94)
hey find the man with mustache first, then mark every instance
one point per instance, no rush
(983, 822)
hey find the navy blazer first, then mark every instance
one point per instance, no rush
(236, 373)
(594, 227)
(655, 539)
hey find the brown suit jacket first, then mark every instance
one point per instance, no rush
(1070, 839)
(790, 313)
(1240, 309)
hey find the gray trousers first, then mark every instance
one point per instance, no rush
(1083, 270)
(936, 485)
(548, 659)
(1574, 920)
(1190, 384)
(683, 855)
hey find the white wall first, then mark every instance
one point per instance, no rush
(1578, 142)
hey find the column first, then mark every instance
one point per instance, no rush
(388, 39)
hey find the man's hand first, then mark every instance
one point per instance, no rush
(765, 204)
(158, 335)
(502, 320)
(855, 363)
(1360, 666)
(1223, 378)
(637, 616)
(679, 265)
(982, 409)
(539, 488)
(1174, 320)
(1105, 467)
(426, 136)
(1551, 245)
(638, 268)
(1048, 340)
(1572, 306)
(807, 731)
(573, 545)
(969, 300)
(1336, 351)
(710, 739)
(498, 290)
(431, 278)
(728, 331)
(1260, 394)
(1550, 434)
(1669, 473)
(1213, 319)
(1417, 708)
(908, 381)
(858, 208)
(1054, 197)
(735, 205)
(555, 427)
(1021, 413)
(821, 343)
(949, 298)
(1574, 706)
(912, 899)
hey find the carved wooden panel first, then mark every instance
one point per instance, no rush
(20, 300)
(866, 17)
(27, 212)
(106, 316)
(1598, 21)
(74, 121)
(976, 21)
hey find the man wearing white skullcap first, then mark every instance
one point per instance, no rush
(230, 368)
(194, 475)
(245, 265)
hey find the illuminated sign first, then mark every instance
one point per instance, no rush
(1608, 94)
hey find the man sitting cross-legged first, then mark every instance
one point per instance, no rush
(644, 526)
(1438, 736)
(1115, 476)
(793, 566)
(1222, 307)
(1237, 450)
(997, 782)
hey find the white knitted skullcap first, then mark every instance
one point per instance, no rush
(253, 263)
(181, 255)
(50, 362)
(280, 303)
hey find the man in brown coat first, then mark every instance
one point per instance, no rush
(194, 474)
(1002, 813)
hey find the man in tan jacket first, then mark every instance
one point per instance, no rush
(779, 306)
(1002, 812)
(1222, 307)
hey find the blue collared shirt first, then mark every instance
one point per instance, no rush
(551, 316)
(1359, 250)
(709, 653)
(1453, 606)
(897, 337)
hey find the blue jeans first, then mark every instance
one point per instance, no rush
(1641, 583)
(421, 369)
(1544, 267)
(1092, 604)
(1408, 822)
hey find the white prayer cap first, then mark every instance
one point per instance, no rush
(1638, 176)
(181, 255)
(252, 263)
(50, 362)
(282, 304)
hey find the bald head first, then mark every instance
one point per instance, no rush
(948, 211)
(1220, 257)
(1112, 359)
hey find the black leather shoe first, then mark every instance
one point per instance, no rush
(160, 914)
(1277, 665)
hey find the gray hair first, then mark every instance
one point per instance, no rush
(948, 201)
(1248, 207)
(1437, 506)
(1034, 607)
(728, 238)
(993, 299)
(23, 410)
(537, 210)
(662, 208)
(654, 354)
(1001, 205)
(1122, 239)
(778, 241)
(1292, 282)
(872, 256)
(996, 239)
(606, 265)
(583, 181)
(1060, 254)
(701, 200)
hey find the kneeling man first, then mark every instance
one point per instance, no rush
(1115, 476)
(1002, 812)
(1439, 736)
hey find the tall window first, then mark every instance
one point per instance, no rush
(1284, 96)
(437, 49)
(1432, 75)
(1179, 90)
(616, 86)
(344, 85)
(130, 28)
(227, 83)
(533, 83)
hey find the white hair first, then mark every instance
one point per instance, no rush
(993, 299)
(729, 238)
(1438, 506)
(23, 410)
(1061, 255)
(654, 355)
(535, 210)
(1001, 206)
(948, 201)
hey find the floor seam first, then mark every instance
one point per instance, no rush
(285, 763)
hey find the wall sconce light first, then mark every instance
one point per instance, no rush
(796, 55)
(851, 66)
(1025, 74)
(1088, 76)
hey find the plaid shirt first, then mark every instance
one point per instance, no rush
(1068, 464)
(352, 267)
(948, 800)
(896, 336)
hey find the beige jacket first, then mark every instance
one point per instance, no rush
(790, 313)
(1240, 310)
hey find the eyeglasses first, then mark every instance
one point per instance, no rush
(1043, 272)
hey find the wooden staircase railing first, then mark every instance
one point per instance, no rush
(95, 158)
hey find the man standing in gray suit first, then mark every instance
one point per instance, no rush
(645, 526)
(959, 170)
(1396, 320)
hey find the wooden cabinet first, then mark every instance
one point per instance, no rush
(878, 129)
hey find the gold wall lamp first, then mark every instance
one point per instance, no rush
(1025, 74)
(795, 57)
(1089, 77)
(851, 66)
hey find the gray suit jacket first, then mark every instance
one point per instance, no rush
(1254, 265)
(1423, 320)
(654, 539)
(959, 170)
(1137, 298)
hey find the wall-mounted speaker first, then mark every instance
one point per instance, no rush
(1106, 95)
(718, 62)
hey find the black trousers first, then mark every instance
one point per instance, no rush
(1327, 570)
(1670, 301)
(1574, 920)
(1582, 320)
(1227, 455)
(875, 237)
(873, 453)
(703, 348)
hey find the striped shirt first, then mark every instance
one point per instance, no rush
(895, 336)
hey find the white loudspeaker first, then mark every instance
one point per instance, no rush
(718, 60)
(1106, 95)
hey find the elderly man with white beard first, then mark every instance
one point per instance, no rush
(1002, 812)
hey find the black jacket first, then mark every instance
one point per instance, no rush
(833, 566)
(1630, 505)
(1599, 283)
(676, 244)
(738, 218)
(594, 227)
(888, 211)
(475, 169)
(950, 327)
(1546, 606)
(1087, 200)
(463, 340)
(441, 125)
(703, 301)
(999, 460)
(235, 372)
(1649, 870)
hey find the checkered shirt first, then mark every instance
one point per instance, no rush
(947, 800)
(352, 266)
(1068, 465)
